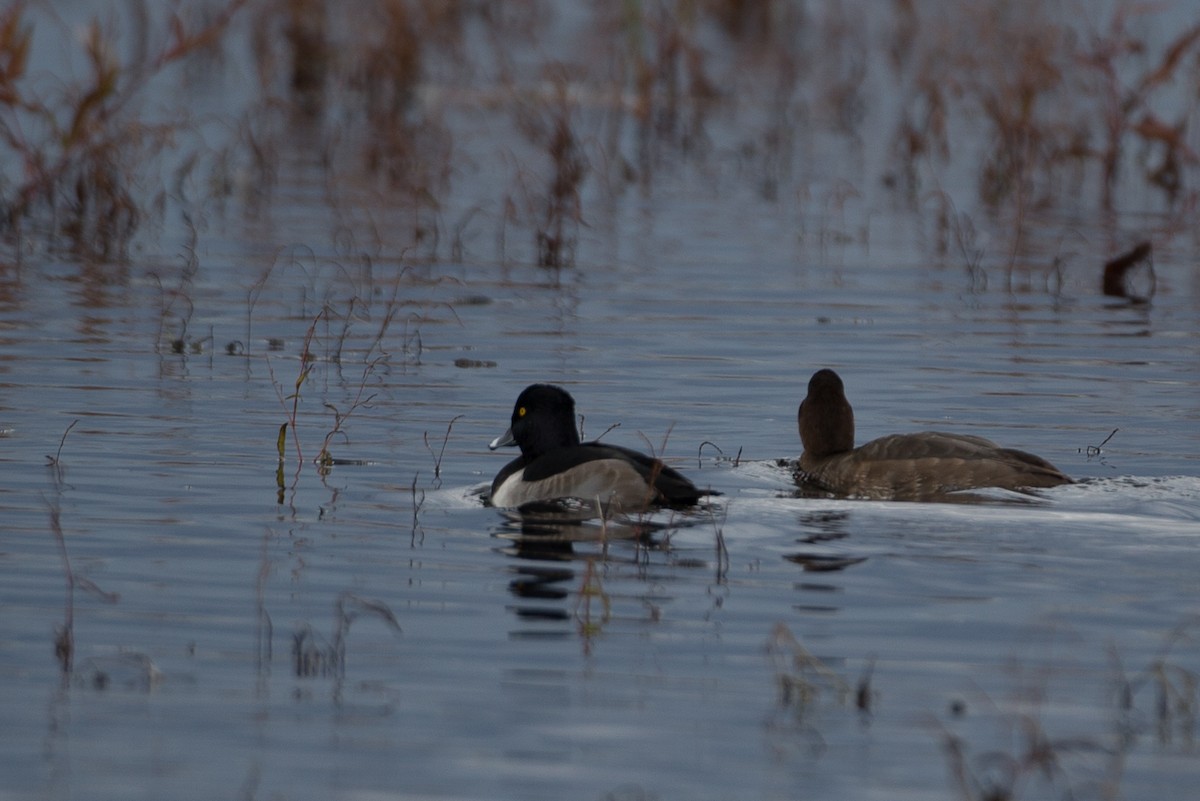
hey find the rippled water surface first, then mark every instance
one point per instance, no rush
(250, 629)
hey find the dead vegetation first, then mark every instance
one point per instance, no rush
(386, 96)
(64, 634)
(82, 143)
(315, 657)
(1034, 760)
(802, 678)
(1070, 109)
(556, 206)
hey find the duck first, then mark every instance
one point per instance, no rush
(917, 466)
(554, 464)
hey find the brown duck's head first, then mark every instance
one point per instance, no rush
(825, 418)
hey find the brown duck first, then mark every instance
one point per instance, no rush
(903, 466)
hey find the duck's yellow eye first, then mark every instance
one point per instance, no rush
(521, 412)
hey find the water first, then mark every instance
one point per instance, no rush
(764, 646)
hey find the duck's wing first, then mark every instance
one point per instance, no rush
(926, 445)
(673, 487)
(935, 461)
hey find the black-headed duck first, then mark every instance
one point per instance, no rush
(554, 464)
(903, 466)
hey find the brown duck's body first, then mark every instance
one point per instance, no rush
(904, 466)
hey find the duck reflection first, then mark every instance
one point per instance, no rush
(551, 530)
(552, 542)
(823, 527)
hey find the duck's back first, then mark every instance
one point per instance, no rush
(928, 464)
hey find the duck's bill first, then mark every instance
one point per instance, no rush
(503, 441)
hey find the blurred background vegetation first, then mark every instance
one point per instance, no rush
(452, 129)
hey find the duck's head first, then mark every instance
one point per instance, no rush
(543, 419)
(825, 418)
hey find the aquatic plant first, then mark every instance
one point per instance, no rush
(1057, 95)
(81, 145)
(313, 657)
(800, 676)
(721, 550)
(373, 131)
(305, 31)
(290, 401)
(591, 588)
(556, 207)
(1033, 758)
(64, 635)
(418, 500)
(437, 457)
(1176, 688)
(324, 459)
(1007, 776)
(663, 68)
(1130, 108)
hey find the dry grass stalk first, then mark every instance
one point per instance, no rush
(801, 676)
(64, 635)
(556, 210)
(418, 500)
(437, 457)
(591, 588)
(313, 657)
(80, 148)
